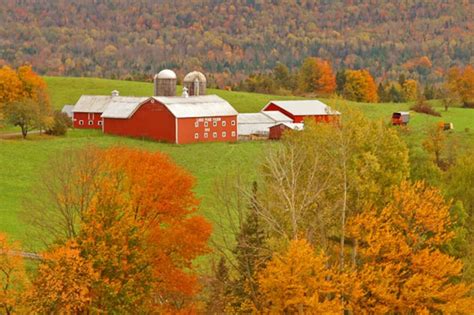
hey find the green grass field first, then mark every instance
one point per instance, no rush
(21, 160)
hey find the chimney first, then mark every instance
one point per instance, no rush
(115, 93)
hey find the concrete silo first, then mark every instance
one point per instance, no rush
(165, 83)
(195, 82)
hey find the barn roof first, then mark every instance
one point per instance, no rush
(294, 126)
(92, 104)
(123, 106)
(254, 118)
(277, 116)
(304, 107)
(197, 106)
(68, 109)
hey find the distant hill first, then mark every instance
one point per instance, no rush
(133, 39)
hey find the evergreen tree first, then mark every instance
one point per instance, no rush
(340, 80)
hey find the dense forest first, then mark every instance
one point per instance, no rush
(231, 39)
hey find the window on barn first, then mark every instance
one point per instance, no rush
(232, 122)
(100, 122)
(214, 123)
(91, 122)
(224, 123)
(196, 136)
(214, 134)
(196, 124)
(81, 122)
(206, 124)
(206, 135)
(233, 133)
(224, 134)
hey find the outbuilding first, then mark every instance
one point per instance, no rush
(68, 110)
(277, 131)
(204, 118)
(299, 110)
(259, 123)
(88, 109)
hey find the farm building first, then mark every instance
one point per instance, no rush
(277, 131)
(87, 111)
(67, 109)
(259, 123)
(190, 119)
(299, 110)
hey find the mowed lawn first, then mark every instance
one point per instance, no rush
(22, 160)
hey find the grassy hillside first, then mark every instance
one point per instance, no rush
(21, 160)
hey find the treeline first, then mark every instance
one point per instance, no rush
(134, 39)
(317, 78)
(344, 217)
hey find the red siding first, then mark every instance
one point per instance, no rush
(275, 132)
(216, 126)
(151, 121)
(300, 119)
(89, 120)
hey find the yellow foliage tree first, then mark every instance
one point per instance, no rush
(410, 90)
(12, 276)
(316, 76)
(399, 262)
(360, 86)
(10, 88)
(298, 281)
(460, 82)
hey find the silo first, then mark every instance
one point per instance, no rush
(195, 82)
(165, 83)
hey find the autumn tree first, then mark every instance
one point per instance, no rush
(13, 279)
(11, 88)
(459, 84)
(316, 76)
(299, 281)
(410, 90)
(360, 86)
(399, 262)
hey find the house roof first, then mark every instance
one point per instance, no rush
(68, 109)
(197, 106)
(92, 104)
(123, 106)
(304, 107)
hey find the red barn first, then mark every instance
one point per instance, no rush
(299, 110)
(205, 118)
(275, 132)
(88, 109)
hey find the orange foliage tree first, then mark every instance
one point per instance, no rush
(12, 276)
(298, 281)
(360, 86)
(10, 88)
(140, 235)
(460, 82)
(316, 76)
(399, 261)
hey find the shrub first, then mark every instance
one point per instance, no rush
(423, 107)
(61, 123)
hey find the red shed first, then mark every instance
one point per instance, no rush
(88, 109)
(205, 118)
(299, 110)
(277, 131)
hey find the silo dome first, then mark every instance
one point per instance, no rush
(166, 74)
(165, 83)
(195, 82)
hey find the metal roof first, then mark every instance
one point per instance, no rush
(254, 118)
(304, 107)
(68, 109)
(294, 126)
(92, 104)
(277, 116)
(123, 106)
(197, 106)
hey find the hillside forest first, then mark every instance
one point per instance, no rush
(232, 39)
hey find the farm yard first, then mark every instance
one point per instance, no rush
(22, 160)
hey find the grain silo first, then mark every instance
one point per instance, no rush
(195, 82)
(165, 83)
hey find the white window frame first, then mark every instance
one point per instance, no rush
(233, 133)
(232, 122)
(81, 122)
(206, 124)
(196, 135)
(214, 123)
(224, 123)
(196, 124)
(214, 135)
(90, 122)
(206, 135)
(224, 134)
(100, 122)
